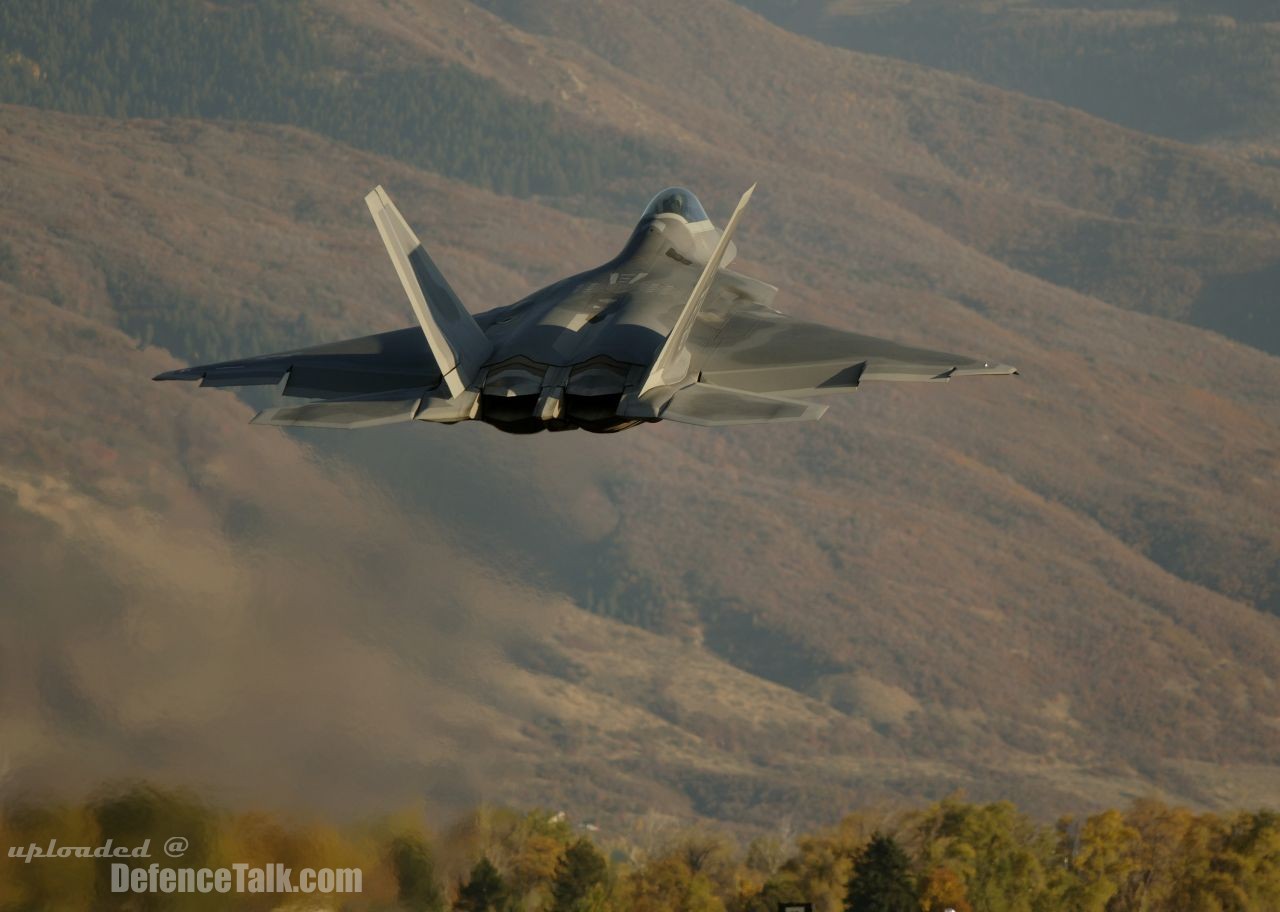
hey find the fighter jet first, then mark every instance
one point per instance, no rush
(663, 331)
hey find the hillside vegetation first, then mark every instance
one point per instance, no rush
(948, 855)
(1060, 589)
(1194, 71)
(271, 61)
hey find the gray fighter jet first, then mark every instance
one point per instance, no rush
(661, 331)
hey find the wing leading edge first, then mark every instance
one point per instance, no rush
(371, 364)
(762, 351)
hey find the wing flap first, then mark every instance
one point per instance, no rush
(355, 412)
(267, 375)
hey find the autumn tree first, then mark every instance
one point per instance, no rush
(1251, 856)
(708, 854)
(1159, 855)
(526, 847)
(1099, 863)
(999, 854)
(819, 871)
(942, 890)
(666, 884)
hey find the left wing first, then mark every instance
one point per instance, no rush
(387, 361)
(762, 351)
(369, 410)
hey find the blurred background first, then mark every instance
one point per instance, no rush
(1061, 589)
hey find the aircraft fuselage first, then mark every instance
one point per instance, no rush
(563, 356)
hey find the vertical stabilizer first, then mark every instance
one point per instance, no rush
(456, 340)
(672, 363)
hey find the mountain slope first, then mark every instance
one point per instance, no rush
(1195, 71)
(1145, 223)
(1059, 588)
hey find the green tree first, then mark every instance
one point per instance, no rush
(580, 877)
(882, 880)
(415, 872)
(484, 890)
(824, 860)
(143, 812)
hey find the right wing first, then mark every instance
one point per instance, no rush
(714, 406)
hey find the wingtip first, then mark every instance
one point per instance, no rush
(182, 373)
(980, 368)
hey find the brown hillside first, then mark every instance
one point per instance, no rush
(1060, 588)
(1141, 222)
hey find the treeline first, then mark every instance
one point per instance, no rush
(263, 61)
(949, 855)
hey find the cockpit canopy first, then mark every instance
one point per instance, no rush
(676, 201)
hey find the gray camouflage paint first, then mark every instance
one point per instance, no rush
(581, 352)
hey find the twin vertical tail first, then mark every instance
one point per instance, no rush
(666, 391)
(672, 363)
(456, 340)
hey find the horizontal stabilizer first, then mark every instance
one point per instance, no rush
(354, 412)
(714, 406)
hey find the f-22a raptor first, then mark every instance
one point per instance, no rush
(663, 331)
